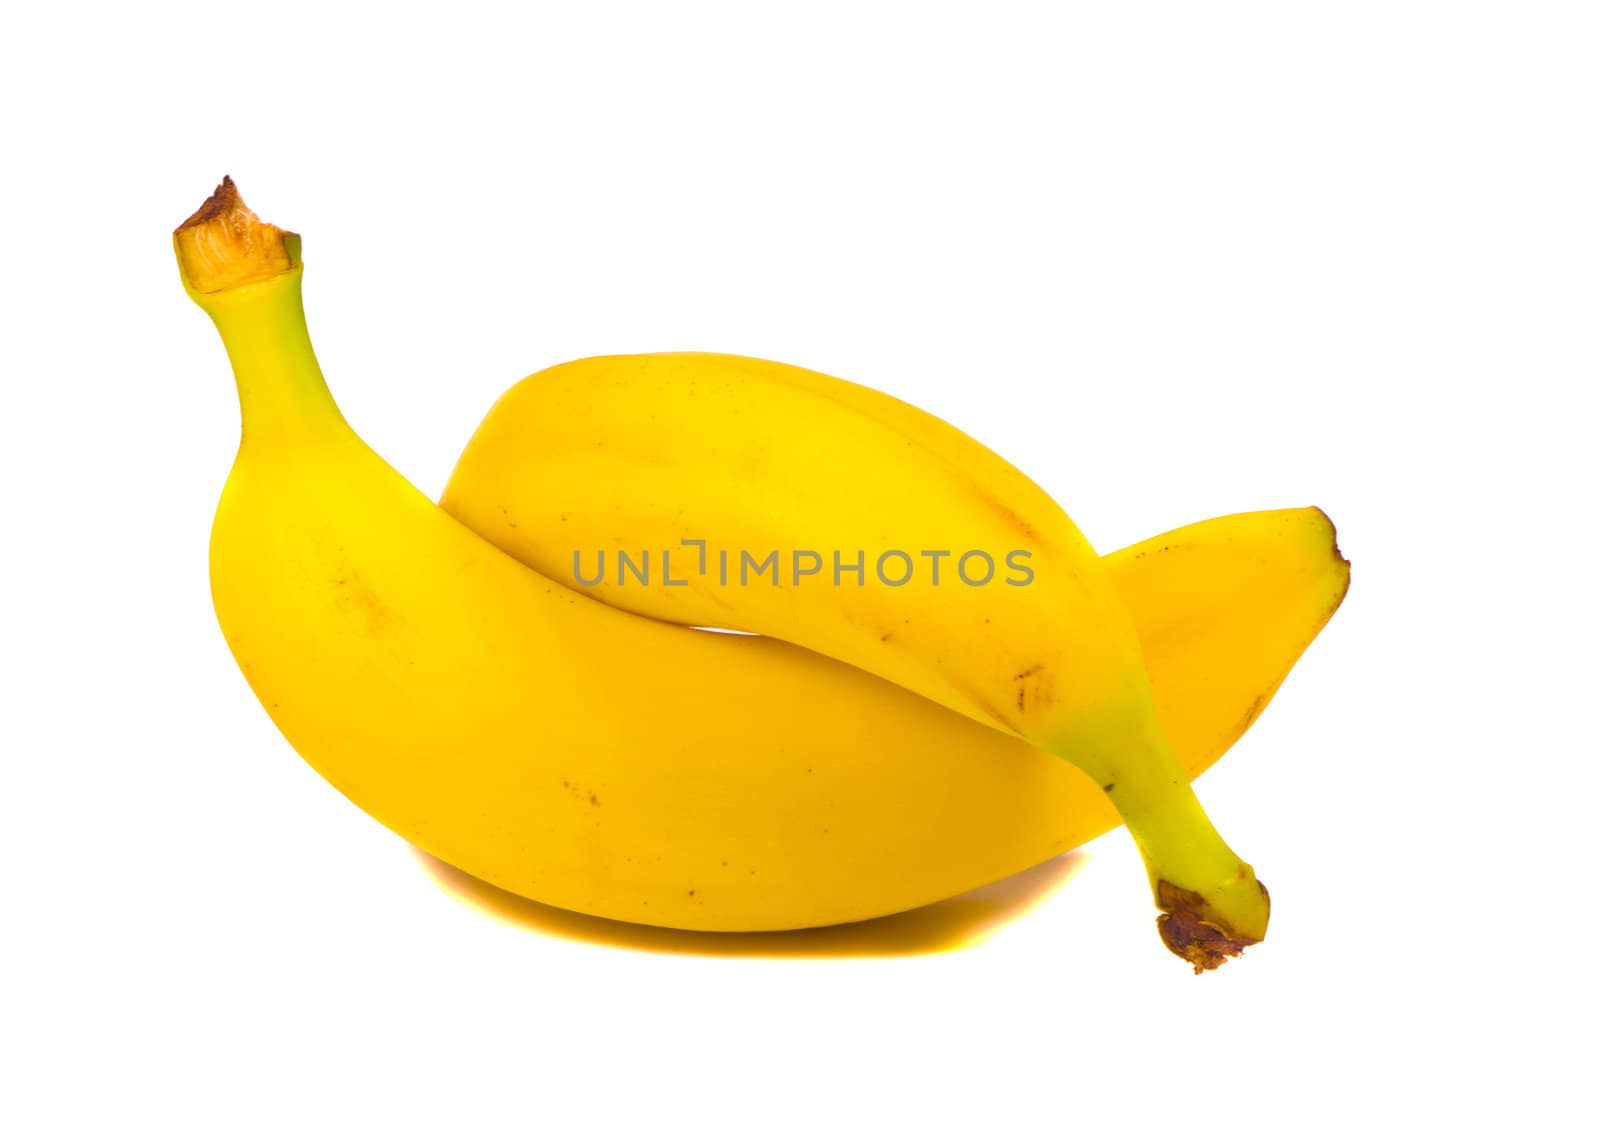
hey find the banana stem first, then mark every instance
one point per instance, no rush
(282, 393)
(1212, 902)
(1213, 906)
(246, 275)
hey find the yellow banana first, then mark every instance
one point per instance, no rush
(744, 494)
(633, 769)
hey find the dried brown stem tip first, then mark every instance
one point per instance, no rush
(1190, 935)
(224, 245)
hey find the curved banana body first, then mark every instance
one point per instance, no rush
(744, 494)
(794, 505)
(633, 769)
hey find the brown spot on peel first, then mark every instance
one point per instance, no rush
(998, 716)
(579, 792)
(1188, 932)
(981, 703)
(1008, 515)
(1253, 710)
(353, 594)
(1040, 680)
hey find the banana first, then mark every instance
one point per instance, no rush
(742, 494)
(606, 763)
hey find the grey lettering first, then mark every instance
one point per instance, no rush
(885, 579)
(961, 567)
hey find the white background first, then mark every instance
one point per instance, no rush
(1172, 260)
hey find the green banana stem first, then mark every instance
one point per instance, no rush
(1213, 906)
(282, 394)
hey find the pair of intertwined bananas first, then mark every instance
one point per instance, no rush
(506, 680)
